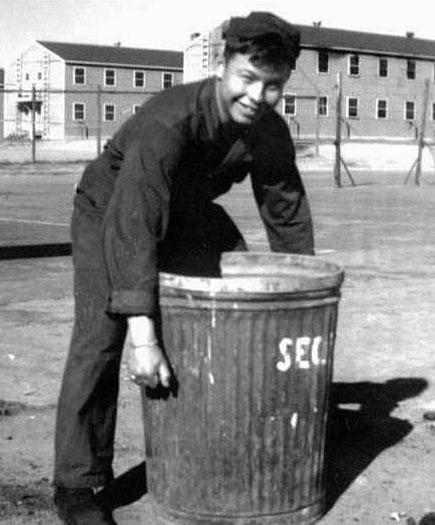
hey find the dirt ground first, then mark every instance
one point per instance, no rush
(380, 450)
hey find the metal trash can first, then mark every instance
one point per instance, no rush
(243, 440)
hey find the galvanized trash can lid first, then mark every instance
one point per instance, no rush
(261, 273)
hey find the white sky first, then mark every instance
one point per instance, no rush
(167, 24)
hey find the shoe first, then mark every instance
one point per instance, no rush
(81, 507)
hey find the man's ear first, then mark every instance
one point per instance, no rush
(220, 70)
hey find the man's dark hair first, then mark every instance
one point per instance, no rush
(267, 38)
(267, 50)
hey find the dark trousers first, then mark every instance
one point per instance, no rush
(86, 412)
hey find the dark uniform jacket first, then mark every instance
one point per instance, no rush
(159, 173)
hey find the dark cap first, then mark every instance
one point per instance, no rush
(259, 25)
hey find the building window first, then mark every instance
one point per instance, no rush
(27, 76)
(109, 112)
(322, 106)
(289, 105)
(409, 110)
(79, 75)
(109, 77)
(139, 79)
(410, 69)
(39, 75)
(168, 79)
(381, 109)
(136, 109)
(79, 111)
(433, 111)
(352, 107)
(354, 65)
(323, 61)
(383, 67)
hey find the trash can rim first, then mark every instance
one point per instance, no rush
(258, 272)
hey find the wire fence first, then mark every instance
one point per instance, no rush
(41, 117)
(35, 115)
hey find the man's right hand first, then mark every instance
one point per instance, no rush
(148, 365)
(146, 360)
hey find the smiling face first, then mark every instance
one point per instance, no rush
(245, 89)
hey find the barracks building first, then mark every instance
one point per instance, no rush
(78, 85)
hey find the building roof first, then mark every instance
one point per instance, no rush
(358, 41)
(115, 55)
(344, 40)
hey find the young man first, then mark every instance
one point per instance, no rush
(146, 205)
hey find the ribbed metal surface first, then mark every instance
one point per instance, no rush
(243, 441)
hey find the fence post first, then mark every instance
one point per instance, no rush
(33, 123)
(337, 166)
(98, 120)
(317, 131)
(421, 131)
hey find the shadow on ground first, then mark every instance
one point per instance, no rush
(127, 488)
(27, 251)
(356, 437)
(360, 428)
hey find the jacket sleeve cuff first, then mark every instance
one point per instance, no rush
(132, 302)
